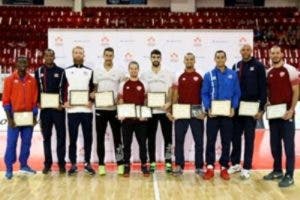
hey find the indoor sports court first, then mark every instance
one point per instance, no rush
(78, 78)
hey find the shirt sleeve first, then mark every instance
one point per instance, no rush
(120, 92)
(206, 92)
(37, 78)
(294, 75)
(35, 94)
(7, 92)
(96, 77)
(262, 83)
(236, 92)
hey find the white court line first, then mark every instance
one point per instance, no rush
(155, 187)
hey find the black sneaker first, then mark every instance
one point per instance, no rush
(72, 170)
(126, 171)
(62, 170)
(89, 170)
(286, 181)
(46, 170)
(145, 170)
(177, 171)
(273, 176)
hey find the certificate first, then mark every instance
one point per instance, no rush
(276, 111)
(49, 100)
(79, 97)
(23, 118)
(104, 99)
(143, 112)
(248, 108)
(156, 99)
(196, 110)
(220, 108)
(126, 111)
(181, 111)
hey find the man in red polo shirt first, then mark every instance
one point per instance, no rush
(188, 91)
(19, 95)
(134, 91)
(282, 80)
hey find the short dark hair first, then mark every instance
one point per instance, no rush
(110, 49)
(134, 63)
(155, 52)
(220, 51)
(50, 51)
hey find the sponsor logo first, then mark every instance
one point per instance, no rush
(151, 41)
(197, 42)
(105, 41)
(59, 41)
(196, 78)
(282, 74)
(174, 57)
(139, 88)
(128, 57)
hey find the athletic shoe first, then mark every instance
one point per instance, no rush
(101, 170)
(8, 175)
(126, 171)
(145, 170)
(224, 174)
(120, 169)
(46, 170)
(62, 170)
(209, 174)
(273, 176)
(27, 170)
(89, 170)
(286, 181)
(72, 170)
(199, 171)
(152, 167)
(234, 169)
(168, 168)
(178, 171)
(245, 174)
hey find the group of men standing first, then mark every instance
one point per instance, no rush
(246, 81)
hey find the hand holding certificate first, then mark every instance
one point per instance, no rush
(156, 99)
(181, 111)
(79, 98)
(104, 99)
(248, 108)
(221, 108)
(23, 118)
(143, 112)
(276, 111)
(126, 111)
(49, 100)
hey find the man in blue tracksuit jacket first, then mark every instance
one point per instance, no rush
(219, 84)
(252, 76)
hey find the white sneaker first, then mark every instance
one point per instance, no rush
(245, 174)
(234, 169)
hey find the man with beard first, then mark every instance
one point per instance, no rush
(19, 95)
(79, 77)
(188, 91)
(108, 78)
(252, 78)
(283, 81)
(133, 91)
(159, 80)
(51, 80)
(219, 84)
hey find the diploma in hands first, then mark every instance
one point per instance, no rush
(49, 100)
(181, 111)
(104, 99)
(156, 99)
(23, 118)
(248, 108)
(143, 112)
(126, 111)
(221, 108)
(276, 111)
(79, 97)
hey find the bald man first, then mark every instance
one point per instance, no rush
(283, 81)
(252, 79)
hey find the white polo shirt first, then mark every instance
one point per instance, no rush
(108, 81)
(161, 81)
(79, 78)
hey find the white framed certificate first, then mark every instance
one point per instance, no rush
(181, 111)
(138, 111)
(276, 111)
(126, 111)
(49, 100)
(23, 118)
(104, 99)
(156, 99)
(79, 97)
(221, 107)
(146, 112)
(248, 108)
